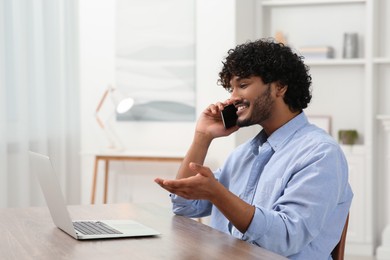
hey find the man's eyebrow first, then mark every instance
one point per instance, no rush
(238, 79)
(241, 78)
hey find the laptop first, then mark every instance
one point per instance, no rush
(42, 167)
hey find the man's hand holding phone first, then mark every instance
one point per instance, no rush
(215, 117)
(229, 116)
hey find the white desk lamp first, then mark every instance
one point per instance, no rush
(122, 104)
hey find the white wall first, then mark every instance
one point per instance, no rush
(97, 59)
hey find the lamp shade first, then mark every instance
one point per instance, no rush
(124, 105)
(121, 102)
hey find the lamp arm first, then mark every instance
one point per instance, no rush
(102, 100)
(115, 142)
(100, 122)
(100, 104)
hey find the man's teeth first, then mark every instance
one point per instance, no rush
(240, 108)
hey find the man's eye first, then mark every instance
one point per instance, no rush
(243, 85)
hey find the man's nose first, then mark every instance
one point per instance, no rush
(235, 95)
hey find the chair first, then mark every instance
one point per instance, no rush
(338, 251)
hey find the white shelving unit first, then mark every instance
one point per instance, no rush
(380, 84)
(275, 3)
(351, 91)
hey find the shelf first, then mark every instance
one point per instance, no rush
(382, 60)
(275, 3)
(332, 62)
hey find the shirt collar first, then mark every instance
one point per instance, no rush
(281, 135)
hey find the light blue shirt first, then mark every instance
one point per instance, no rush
(302, 195)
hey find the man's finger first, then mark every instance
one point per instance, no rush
(198, 168)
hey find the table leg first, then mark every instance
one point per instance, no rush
(106, 181)
(94, 177)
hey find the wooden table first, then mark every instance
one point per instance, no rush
(119, 156)
(29, 233)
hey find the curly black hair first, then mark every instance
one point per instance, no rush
(272, 62)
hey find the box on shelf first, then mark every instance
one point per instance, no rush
(317, 52)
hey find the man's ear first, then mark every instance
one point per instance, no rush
(280, 89)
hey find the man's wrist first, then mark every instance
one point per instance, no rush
(202, 139)
(217, 195)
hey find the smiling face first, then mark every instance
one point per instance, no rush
(275, 63)
(253, 100)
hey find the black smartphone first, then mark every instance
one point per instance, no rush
(229, 116)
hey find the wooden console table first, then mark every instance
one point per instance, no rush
(123, 157)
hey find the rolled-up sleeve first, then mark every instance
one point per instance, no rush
(190, 208)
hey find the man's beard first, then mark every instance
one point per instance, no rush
(261, 109)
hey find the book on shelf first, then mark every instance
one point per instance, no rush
(316, 52)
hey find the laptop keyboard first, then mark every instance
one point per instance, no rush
(94, 228)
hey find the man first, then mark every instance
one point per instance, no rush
(287, 189)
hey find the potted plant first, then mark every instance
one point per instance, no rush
(348, 136)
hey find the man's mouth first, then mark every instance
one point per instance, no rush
(241, 108)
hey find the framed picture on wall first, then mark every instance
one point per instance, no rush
(155, 59)
(323, 122)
